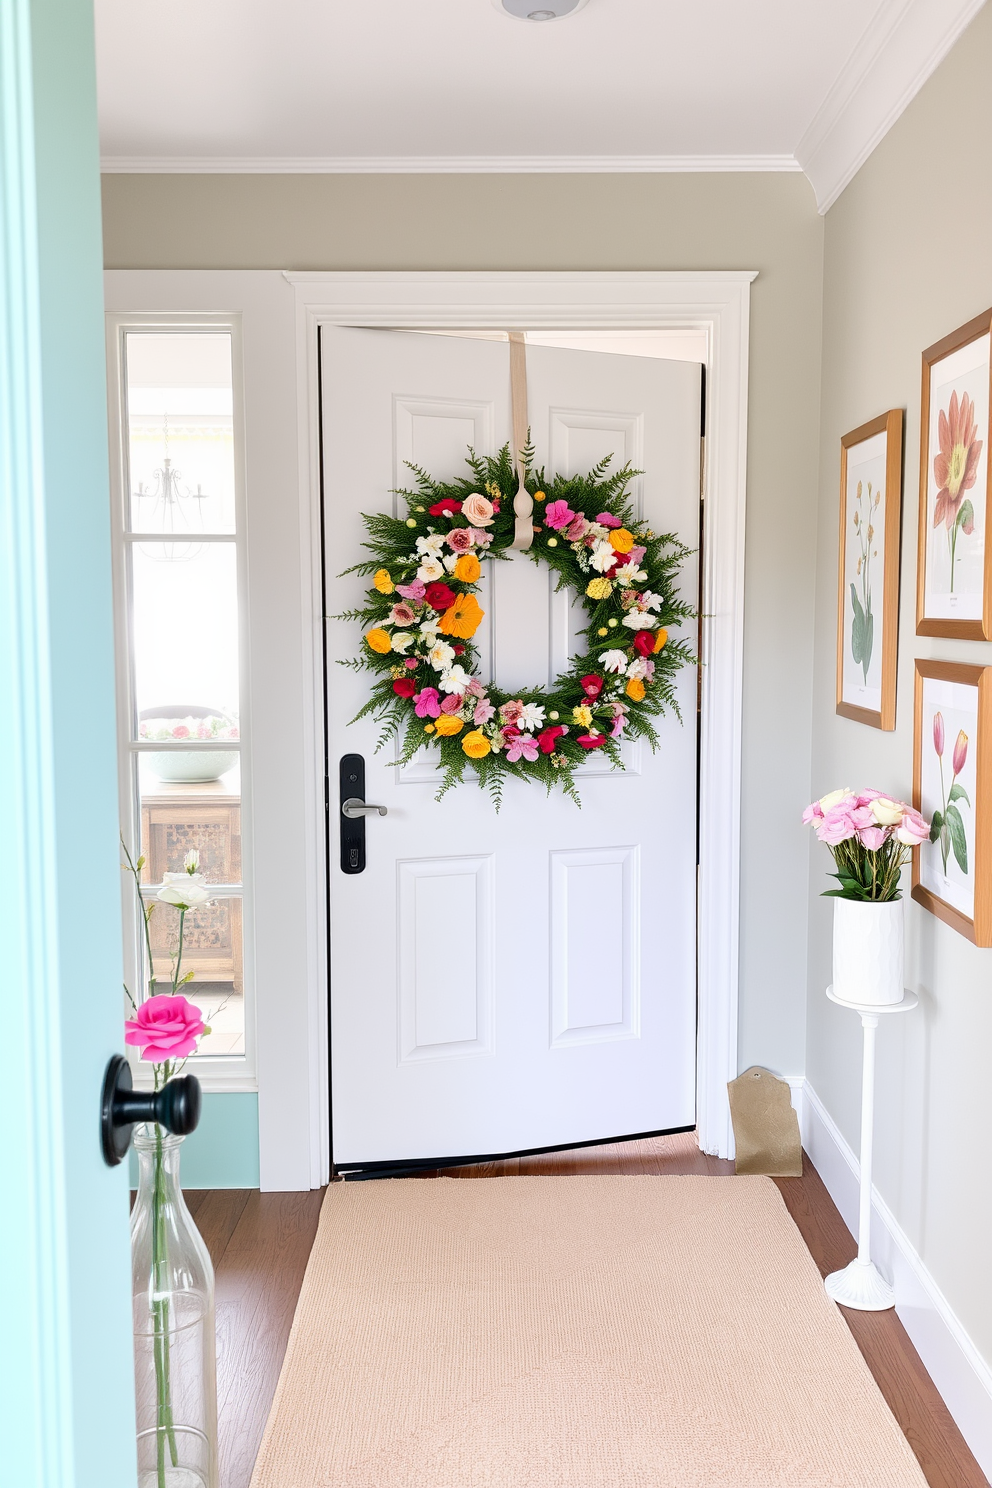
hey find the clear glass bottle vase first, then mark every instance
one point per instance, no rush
(173, 1310)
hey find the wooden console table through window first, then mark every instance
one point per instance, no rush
(206, 816)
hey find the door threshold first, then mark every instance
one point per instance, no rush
(355, 1172)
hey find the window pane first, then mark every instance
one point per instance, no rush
(185, 618)
(179, 816)
(212, 949)
(180, 432)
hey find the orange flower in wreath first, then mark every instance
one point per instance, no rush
(956, 467)
(468, 568)
(463, 618)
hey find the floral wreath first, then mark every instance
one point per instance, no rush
(421, 614)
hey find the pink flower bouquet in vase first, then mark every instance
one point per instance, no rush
(871, 837)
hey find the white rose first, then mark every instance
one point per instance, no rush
(441, 657)
(603, 555)
(456, 679)
(614, 661)
(429, 570)
(887, 813)
(431, 545)
(531, 718)
(402, 641)
(184, 890)
(640, 620)
(828, 801)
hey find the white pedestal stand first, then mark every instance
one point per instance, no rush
(859, 1284)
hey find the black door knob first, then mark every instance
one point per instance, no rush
(176, 1107)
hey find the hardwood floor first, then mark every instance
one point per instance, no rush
(260, 1244)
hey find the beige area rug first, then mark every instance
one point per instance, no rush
(600, 1332)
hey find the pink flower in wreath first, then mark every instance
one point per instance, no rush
(427, 703)
(635, 555)
(558, 515)
(577, 529)
(483, 711)
(460, 539)
(480, 538)
(605, 519)
(475, 688)
(619, 720)
(164, 1027)
(416, 590)
(511, 711)
(452, 703)
(401, 614)
(477, 510)
(523, 746)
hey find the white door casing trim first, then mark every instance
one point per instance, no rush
(714, 303)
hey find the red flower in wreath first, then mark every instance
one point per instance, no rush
(445, 507)
(404, 687)
(439, 596)
(592, 741)
(644, 642)
(591, 685)
(548, 737)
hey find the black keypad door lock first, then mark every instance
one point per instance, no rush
(354, 810)
(176, 1107)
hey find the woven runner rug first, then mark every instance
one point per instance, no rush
(579, 1332)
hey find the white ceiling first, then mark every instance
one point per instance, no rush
(454, 85)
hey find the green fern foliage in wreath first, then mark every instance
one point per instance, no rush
(421, 614)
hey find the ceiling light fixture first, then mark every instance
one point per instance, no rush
(526, 10)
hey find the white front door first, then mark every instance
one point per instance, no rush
(511, 982)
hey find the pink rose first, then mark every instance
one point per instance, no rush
(452, 702)
(483, 712)
(872, 837)
(477, 510)
(606, 520)
(427, 703)
(416, 590)
(481, 539)
(511, 711)
(577, 529)
(837, 825)
(401, 614)
(460, 539)
(913, 830)
(164, 1027)
(558, 515)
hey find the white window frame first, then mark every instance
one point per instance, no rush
(229, 1072)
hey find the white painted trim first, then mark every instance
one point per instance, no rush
(904, 43)
(955, 1365)
(717, 304)
(439, 165)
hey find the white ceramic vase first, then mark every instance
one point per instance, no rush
(868, 951)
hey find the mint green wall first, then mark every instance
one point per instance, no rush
(223, 1151)
(66, 1398)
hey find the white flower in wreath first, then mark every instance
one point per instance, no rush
(455, 679)
(640, 620)
(450, 561)
(602, 556)
(531, 718)
(429, 570)
(431, 545)
(441, 656)
(649, 601)
(630, 574)
(596, 530)
(402, 641)
(614, 661)
(638, 668)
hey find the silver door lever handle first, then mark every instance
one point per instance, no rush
(354, 807)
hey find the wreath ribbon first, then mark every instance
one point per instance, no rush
(523, 502)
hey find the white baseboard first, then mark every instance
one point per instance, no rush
(953, 1362)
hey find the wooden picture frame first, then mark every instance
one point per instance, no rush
(870, 499)
(954, 566)
(952, 785)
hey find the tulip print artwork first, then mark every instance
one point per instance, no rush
(863, 627)
(947, 827)
(871, 473)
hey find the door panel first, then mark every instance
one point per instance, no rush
(526, 980)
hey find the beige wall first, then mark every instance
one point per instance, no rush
(907, 258)
(763, 222)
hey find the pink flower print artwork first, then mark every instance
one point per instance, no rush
(558, 515)
(427, 703)
(524, 746)
(164, 1027)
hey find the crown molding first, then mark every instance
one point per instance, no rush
(904, 43)
(429, 165)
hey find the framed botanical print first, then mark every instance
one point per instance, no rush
(952, 787)
(954, 571)
(868, 569)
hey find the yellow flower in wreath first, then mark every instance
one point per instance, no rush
(582, 715)
(379, 641)
(635, 690)
(383, 582)
(476, 745)
(468, 568)
(660, 639)
(448, 724)
(599, 588)
(622, 540)
(463, 618)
